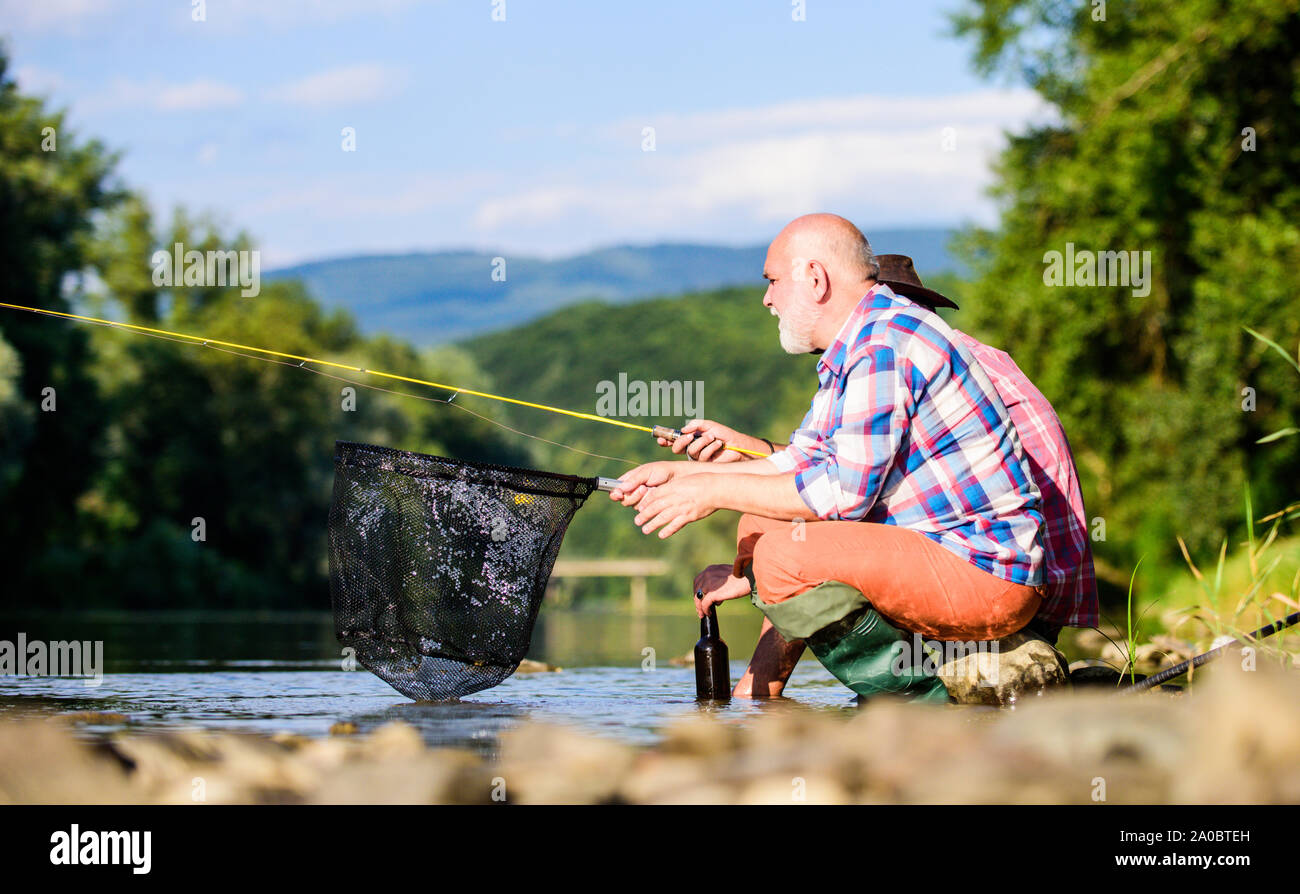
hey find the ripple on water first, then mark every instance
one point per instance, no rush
(623, 703)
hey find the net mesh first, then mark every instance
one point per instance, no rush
(438, 566)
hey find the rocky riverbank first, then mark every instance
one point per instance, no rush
(1233, 738)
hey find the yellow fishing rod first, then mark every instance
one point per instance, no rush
(659, 431)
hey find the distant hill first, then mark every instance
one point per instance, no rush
(434, 297)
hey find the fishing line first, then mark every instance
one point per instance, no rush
(435, 400)
(236, 348)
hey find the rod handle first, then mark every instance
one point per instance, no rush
(672, 434)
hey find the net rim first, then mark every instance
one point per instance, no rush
(352, 454)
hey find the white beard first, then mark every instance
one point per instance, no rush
(796, 327)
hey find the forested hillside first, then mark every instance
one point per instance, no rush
(435, 297)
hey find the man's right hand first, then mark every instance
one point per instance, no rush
(706, 441)
(718, 584)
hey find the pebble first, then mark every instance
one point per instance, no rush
(1232, 737)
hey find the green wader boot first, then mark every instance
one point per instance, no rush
(864, 651)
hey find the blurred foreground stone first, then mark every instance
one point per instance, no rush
(1234, 737)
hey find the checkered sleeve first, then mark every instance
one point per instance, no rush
(785, 460)
(841, 476)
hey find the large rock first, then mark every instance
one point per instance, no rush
(1004, 671)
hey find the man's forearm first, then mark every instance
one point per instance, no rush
(771, 495)
(758, 445)
(758, 466)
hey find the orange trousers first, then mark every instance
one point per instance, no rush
(911, 580)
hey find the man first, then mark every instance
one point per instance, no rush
(1068, 577)
(913, 505)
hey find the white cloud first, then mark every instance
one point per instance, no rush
(51, 15)
(767, 164)
(351, 197)
(733, 176)
(79, 16)
(162, 97)
(202, 94)
(35, 80)
(341, 86)
(303, 12)
(840, 113)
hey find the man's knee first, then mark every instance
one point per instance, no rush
(777, 568)
(751, 527)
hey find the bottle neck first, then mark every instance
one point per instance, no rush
(709, 623)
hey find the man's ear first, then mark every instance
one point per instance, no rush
(819, 279)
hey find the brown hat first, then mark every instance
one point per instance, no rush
(897, 272)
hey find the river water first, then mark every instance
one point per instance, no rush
(284, 672)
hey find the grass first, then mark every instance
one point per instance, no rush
(1258, 584)
(1246, 587)
(1254, 584)
(1132, 624)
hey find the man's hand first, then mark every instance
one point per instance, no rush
(670, 495)
(638, 481)
(706, 441)
(669, 507)
(718, 584)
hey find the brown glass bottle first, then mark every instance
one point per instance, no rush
(712, 674)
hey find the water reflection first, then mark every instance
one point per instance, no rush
(176, 641)
(273, 673)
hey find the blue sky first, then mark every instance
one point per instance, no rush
(525, 135)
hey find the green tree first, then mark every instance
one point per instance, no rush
(243, 444)
(1174, 131)
(15, 417)
(51, 187)
(149, 434)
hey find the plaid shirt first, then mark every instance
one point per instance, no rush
(1070, 595)
(907, 429)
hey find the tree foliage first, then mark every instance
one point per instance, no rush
(103, 494)
(51, 187)
(1174, 131)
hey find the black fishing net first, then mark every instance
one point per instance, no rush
(438, 567)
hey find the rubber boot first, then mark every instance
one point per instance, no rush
(870, 656)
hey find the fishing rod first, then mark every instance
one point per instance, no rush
(658, 431)
(1179, 669)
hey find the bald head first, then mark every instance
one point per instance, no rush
(835, 242)
(818, 268)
